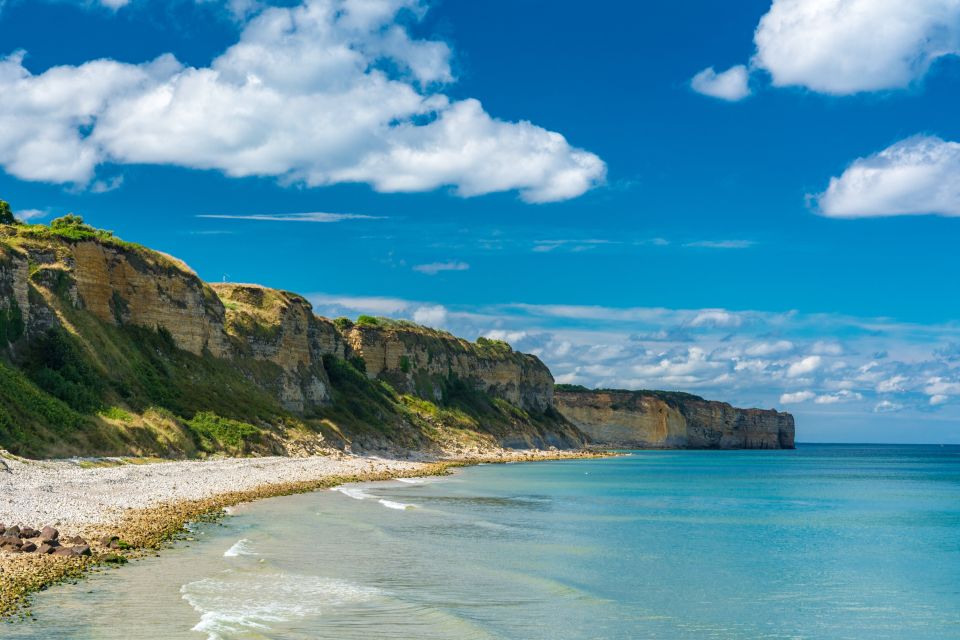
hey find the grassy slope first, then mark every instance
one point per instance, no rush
(92, 388)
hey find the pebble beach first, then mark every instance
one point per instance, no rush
(115, 509)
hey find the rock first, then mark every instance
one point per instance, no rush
(13, 531)
(49, 533)
(114, 558)
(27, 532)
(67, 552)
(106, 541)
(8, 542)
(671, 420)
(28, 547)
(82, 550)
(75, 540)
(3, 528)
(45, 549)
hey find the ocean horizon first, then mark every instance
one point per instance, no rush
(825, 541)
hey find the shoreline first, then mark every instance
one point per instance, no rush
(151, 518)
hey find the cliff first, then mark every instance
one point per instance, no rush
(663, 420)
(107, 347)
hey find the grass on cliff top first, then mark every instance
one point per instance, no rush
(666, 396)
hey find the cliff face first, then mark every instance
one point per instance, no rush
(131, 317)
(423, 361)
(639, 419)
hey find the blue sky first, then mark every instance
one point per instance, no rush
(644, 194)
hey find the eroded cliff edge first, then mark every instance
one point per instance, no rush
(671, 420)
(107, 347)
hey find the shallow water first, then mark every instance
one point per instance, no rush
(823, 542)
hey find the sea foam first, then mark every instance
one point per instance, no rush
(400, 506)
(240, 548)
(241, 602)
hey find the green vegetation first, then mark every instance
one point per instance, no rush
(343, 324)
(670, 397)
(218, 434)
(11, 323)
(6, 214)
(368, 321)
(405, 363)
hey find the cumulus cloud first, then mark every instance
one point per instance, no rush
(434, 268)
(804, 366)
(432, 316)
(914, 176)
(731, 85)
(844, 395)
(326, 92)
(797, 397)
(843, 47)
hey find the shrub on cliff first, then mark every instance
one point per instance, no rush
(6, 215)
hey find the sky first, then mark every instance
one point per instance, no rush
(756, 201)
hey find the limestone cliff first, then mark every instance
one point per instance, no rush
(111, 328)
(656, 419)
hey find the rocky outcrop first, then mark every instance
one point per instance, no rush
(663, 420)
(424, 362)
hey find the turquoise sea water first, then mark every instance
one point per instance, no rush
(836, 541)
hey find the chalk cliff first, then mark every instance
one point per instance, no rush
(657, 419)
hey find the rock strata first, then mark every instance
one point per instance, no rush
(664, 420)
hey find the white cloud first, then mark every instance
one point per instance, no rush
(843, 47)
(768, 348)
(336, 305)
(434, 268)
(805, 366)
(302, 97)
(885, 406)
(843, 395)
(732, 84)
(914, 176)
(721, 244)
(797, 397)
(30, 214)
(716, 318)
(939, 399)
(294, 217)
(431, 316)
(891, 385)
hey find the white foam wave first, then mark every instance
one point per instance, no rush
(413, 480)
(400, 506)
(240, 548)
(353, 492)
(241, 602)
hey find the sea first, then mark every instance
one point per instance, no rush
(826, 541)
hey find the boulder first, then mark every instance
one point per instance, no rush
(49, 533)
(27, 532)
(82, 550)
(65, 551)
(28, 547)
(75, 540)
(13, 531)
(44, 549)
(10, 541)
(3, 528)
(109, 540)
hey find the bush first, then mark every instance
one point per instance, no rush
(343, 323)
(6, 215)
(217, 433)
(368, 321)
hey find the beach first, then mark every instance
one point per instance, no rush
(144, 503)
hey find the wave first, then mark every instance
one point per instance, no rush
(240, 548)
(242, 602)
(414, 480)
(353, 492)
(400, 506)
